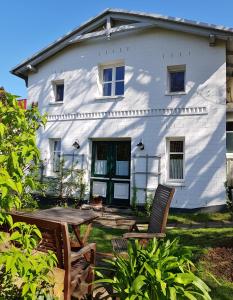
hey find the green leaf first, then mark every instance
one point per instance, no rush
(172, 291)
(138, 282)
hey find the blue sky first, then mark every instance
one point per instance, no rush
(26, 26)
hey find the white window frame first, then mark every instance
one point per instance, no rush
(168, 179)
(52, 153)
(174, 69)
(113, 82)
(55, 83)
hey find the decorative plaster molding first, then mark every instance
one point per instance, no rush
(154, 112)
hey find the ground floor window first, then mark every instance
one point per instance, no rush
(175, 159)
(55, 148)
(229, 137)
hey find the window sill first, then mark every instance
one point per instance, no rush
(109, 97)
(175, 183)
(56, 103)
(175, 93)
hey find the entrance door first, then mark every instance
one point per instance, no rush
(110, 171)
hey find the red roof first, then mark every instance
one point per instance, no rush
(22, 103)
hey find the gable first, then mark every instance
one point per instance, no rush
(112, 22)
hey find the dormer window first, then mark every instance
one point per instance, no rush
(113, 78)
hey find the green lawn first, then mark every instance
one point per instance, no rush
(199, 239)
(191, 218)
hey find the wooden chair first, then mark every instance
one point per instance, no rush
(157, 224)
(78, 266)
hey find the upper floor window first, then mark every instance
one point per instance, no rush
(113, 78)
(176, 79)
(58, 89)
(175, 153)
(59, 92)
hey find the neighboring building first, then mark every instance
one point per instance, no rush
(22, 103)
(144, 96)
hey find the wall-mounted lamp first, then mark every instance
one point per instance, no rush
(76, 144)
(140, 145)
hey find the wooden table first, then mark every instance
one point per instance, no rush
(71, 216)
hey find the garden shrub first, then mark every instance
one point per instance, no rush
(24, 272)
(161, 270)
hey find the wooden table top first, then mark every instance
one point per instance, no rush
(71, 216)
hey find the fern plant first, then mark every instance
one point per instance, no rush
(161, 270)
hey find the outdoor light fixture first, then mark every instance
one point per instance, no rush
(76, 144)
(140, 145)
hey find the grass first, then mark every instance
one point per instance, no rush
(190, 218)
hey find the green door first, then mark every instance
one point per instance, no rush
(110, 171)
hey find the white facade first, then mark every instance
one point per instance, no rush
(146, 112)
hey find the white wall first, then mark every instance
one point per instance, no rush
(146, 57)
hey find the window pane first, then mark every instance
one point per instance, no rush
(229, 126)
(122, 159)
(176, 146)
(59, 92)
(229, 140)
(119, 88)
(177, 81)
(107, 75)
(120, 73)
(107, 89)
(56, 156)
(101, 159)
(57, 146)
(176, 166)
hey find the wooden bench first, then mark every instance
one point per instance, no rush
(78, 266)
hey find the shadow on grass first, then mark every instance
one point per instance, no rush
(202, 239)
(188, 218)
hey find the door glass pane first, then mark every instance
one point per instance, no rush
(101, 159)
(99, 188)
(122, 159)
(176, 166)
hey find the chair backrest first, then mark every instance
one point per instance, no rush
(160, 208)
(55, 237)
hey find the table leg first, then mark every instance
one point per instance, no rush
(77, 234)
(87, 233)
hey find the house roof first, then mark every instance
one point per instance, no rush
(117, 21)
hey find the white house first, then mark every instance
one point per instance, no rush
(139, 99)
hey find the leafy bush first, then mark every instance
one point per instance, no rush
(161, 270)
(24, 273)
(148, 204)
